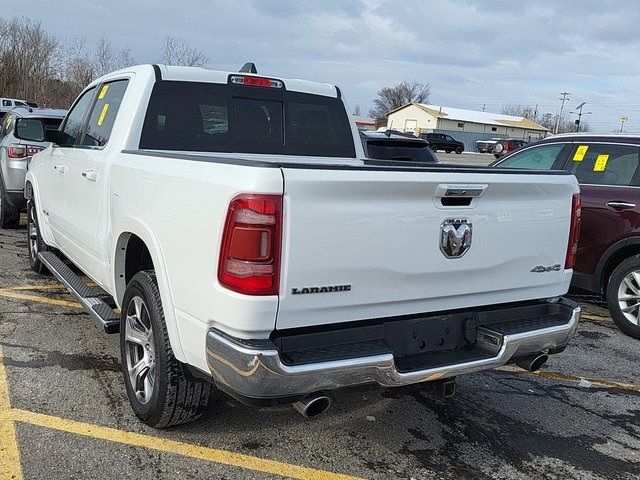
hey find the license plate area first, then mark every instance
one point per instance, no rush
(433, 334)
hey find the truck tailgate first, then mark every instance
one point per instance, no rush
(366, 243)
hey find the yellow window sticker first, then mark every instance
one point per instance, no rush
(580, 153)
(103, 92)
(601, 163)
(103, 114)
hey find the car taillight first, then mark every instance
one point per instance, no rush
(574, 232)
(251, 242)
(16, 150)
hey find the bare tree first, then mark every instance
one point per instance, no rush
(526, 111)
(107, 59)
(177, 51)
(357, 111)
(390, 98)
(546, 119)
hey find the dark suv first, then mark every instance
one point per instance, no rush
(440, 141)
(608, 257)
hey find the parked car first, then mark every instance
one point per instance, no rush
(391, 146)
(486, 146)
(7, 104)
(608, 255)
(504, 146)
(441, 141)
(15, 155)
(275, 262)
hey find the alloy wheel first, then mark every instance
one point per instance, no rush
(33, 234)
(140, 350)
(629, 297)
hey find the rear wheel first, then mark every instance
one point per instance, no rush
(458, 150)
(161, 393)
(9, 215)
(34, 239)
(623, 296)
(434, 148)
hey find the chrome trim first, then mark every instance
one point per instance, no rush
(259, 373)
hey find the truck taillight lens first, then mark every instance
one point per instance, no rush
(251, 242)
(574, 232)
(16, 150)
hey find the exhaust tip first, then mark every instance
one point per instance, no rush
(534, 363)
(312, 406)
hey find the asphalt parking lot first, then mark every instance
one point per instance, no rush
(64, 412)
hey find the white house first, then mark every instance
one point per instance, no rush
(420, 118)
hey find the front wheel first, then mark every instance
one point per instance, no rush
(459, 150)
(623, 296)
(34, 239)
(161, 393)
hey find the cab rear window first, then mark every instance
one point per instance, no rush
(196, 116)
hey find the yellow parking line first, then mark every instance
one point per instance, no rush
(171, 446)
(55, 286)
(13, 295)
(9, 453)
(598, 382)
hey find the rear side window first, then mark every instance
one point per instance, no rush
(194, 116)
(542, 157)
(103, 114)
(601, 164)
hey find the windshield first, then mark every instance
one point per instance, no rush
(410, 151)
(196, 116)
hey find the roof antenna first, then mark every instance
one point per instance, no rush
(249, 67)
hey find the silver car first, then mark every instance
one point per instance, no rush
(15, 155)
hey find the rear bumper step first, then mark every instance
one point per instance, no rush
(255, 370)
(103, 314)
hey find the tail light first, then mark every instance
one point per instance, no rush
(574, 232)
(16, 150)
(251, 243)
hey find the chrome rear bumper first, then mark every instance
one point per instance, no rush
(259, 373)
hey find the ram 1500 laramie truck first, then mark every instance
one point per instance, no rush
(234, 221)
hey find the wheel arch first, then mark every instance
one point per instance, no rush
(136, 249)
(612, 257)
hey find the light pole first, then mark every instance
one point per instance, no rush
(563, 99)
(579, 113)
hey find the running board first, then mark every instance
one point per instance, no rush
(103, 314)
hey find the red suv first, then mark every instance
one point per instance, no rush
(608, 258)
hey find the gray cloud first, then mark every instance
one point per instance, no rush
(472, 52)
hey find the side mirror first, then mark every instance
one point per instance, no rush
(30, 129)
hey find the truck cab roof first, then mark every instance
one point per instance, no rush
(197, 74)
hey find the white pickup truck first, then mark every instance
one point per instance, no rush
(234, 221)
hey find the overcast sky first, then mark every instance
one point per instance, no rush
(473, 53)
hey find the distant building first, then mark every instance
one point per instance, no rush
(364, 123)
(420, 118)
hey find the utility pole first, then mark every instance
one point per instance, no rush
(484, 106)
(563, 99)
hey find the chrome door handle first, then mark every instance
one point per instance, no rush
(90, 175)
(621, 205)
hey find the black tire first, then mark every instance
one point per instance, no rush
(9, 215)
(176, 397)
(434, 149)
(631, 264)
(447, 151)
(458, 150)
(35, 243)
